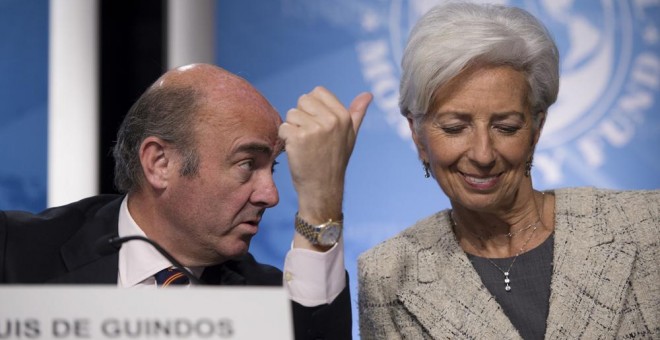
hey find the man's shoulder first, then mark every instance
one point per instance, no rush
(35, 245)
(58, 223)
(85, 207)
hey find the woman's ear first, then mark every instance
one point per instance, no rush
(421, 149)
(156, 162)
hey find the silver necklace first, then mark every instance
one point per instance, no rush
(510, 234)
(506, 272)
(507, 287)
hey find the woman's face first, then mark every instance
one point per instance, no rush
(478, 137)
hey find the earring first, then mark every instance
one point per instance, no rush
(528, 166)
(427, 173)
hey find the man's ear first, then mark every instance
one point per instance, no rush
(421, 149)
(157, 165)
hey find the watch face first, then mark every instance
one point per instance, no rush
(330, 235)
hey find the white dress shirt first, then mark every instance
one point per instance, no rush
(311, 278)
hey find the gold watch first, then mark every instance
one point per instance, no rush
(326, 234)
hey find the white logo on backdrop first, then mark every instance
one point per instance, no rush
(610, 73)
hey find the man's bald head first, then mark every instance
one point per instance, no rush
(169, 110)
(212, 81)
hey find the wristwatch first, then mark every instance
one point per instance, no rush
(326, 234)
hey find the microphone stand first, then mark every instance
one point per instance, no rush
(111, 243)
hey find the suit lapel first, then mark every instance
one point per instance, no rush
(590, 270)
(80, 256)
(222, 275)
(242, 271)
(448, 297)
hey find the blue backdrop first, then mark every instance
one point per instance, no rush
(604, 131)
(24, 98)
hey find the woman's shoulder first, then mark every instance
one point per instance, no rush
(612, 196)
(610, 201)
(422, 234)
(631, 214)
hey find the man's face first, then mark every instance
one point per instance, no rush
(217, 211)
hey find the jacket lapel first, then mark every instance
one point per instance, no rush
(589, 281)
(222, 275)
(590, 269)
(448, 297)
(82, 260)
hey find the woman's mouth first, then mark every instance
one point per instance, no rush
(481, 182)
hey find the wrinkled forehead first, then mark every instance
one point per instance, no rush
(240, 104)
(241, 114)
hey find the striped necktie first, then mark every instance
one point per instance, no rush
(171, 276)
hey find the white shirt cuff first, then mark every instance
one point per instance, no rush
(314, 278)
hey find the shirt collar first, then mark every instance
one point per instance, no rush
(139, 261)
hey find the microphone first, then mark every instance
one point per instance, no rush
(111, 243)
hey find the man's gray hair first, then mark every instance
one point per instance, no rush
(164, 112)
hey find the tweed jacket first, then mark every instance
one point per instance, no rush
(605, 279)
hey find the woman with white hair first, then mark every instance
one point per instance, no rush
(506, 261)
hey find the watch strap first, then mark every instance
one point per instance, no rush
(311, 232)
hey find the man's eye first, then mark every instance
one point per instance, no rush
(247, 165)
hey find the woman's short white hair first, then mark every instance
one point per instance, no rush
(452, 37)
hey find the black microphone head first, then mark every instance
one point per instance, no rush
(107, 244)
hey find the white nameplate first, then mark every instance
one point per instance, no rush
(106, 312)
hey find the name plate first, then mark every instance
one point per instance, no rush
(107, 312)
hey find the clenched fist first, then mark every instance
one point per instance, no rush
(319, 136)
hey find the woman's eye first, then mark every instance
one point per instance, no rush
(452, 130)
(507, 129)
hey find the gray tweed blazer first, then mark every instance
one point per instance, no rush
(605, 280)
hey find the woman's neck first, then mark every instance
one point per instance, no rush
(507, 233)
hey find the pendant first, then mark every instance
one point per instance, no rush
(506, 280)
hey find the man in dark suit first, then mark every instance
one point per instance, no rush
(194, 157)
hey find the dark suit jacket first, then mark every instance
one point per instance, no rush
(57, 246)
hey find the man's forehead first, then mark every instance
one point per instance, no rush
(274, 148)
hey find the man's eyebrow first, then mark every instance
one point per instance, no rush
(280, 145)
(254, 148)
